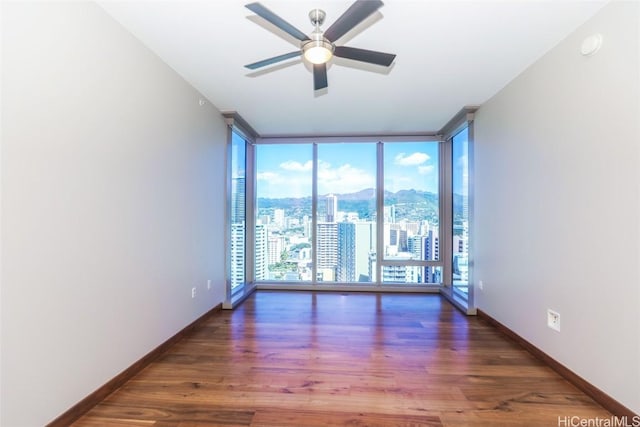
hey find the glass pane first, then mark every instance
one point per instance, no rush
(284, 175)
(346, 212)
(238, 162)
(411, 205)
(460, 184)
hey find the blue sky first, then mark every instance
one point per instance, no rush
(286, 170)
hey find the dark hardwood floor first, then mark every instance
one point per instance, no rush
(320, 359)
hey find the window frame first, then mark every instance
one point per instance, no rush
(378, 283)
(237, 125)
(464, 118)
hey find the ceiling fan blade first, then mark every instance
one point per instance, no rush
(364, 55)
(356, 13)
(273, 60)
(262, 11)
(319, 76)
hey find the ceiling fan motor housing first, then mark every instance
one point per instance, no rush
(318, 49)
(317, 17)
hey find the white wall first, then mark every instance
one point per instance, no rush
(112, 205)
(557, 208)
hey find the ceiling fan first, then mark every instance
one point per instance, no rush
(318, 47)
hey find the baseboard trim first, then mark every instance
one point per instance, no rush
(79, 409)
(609, 403)
(348, 288)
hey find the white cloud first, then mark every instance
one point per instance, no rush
(344, 179)
(275, 185)
(267, 176)
(413, 159)
(294, 166)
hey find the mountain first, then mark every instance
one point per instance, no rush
(409, 204)
(366, 194)
(402, 196)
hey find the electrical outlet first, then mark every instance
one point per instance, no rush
(193, 292)
(209, 284)
(481, 285)
(553, 320)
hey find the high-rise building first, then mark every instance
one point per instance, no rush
(432, 253)
(332, 208)
(237, 254)
(327, 248)
(372, 260)
(397, 237)
(237, 232)
(365, 245)
(390, 214)
(393, 236)
(402, 240)
(261, 266)
(460, 271)
(265, 219)
(346, 269)
(238, 206)
(460, 245)
(416, 246)
(412, 228)
(432, 246)
(307, 227)
(356, 240)
(278, 217)
(275, 246)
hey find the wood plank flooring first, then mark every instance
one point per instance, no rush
(337, 359)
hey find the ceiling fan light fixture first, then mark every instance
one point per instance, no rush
(318, 52)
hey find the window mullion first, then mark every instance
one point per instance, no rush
(250, 217)
(314, 216)
(446, 211)
(379, 212)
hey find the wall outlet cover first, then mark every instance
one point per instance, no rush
(553, 320)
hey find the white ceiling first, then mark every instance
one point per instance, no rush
(450, 54)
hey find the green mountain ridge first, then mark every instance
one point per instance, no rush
(413, 205)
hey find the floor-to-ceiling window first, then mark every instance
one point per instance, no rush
(284, 181)
(237, 248)
(460, 213)
(411, 251)
(348, 212)
(353, 212)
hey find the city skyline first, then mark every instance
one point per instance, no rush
(345, 246)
